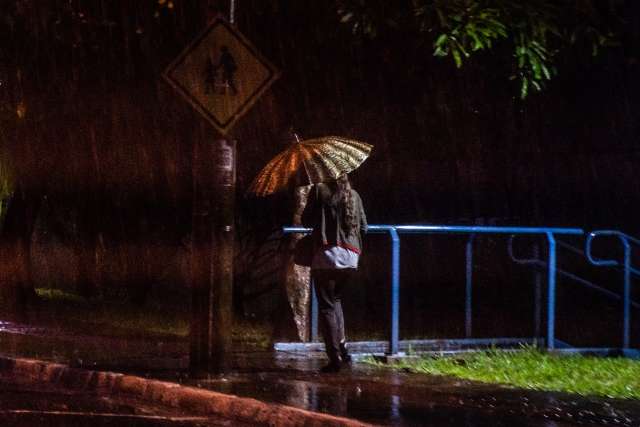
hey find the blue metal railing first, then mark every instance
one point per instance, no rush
(627, 242)
(537, 262)
(394, 232)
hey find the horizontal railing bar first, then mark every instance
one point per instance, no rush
(288, 230)
(484, 229)
(455, 229)
(624, 238)
(616, 233)
(413, 345)
(580, 252)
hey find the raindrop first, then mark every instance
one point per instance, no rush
(21, 110)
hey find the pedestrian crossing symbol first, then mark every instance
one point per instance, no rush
(221, 74)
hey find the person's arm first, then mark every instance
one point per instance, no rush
(363, 217)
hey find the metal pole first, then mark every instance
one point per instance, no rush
(626, 298)
(626, 328)
(469, 287)
(395, 292)
(537, 295)
(551, 281)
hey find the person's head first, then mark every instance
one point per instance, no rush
(340, 185)
(343, 182)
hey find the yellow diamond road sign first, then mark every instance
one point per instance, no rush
(221, 74)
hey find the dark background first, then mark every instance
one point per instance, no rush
(101, 156)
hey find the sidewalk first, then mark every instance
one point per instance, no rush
(368, 394)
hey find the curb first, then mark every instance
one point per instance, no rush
(194, 400)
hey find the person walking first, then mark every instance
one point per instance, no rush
(335, 212)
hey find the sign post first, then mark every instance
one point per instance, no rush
(221, 75)
(212, 255)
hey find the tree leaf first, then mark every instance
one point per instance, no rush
(536, 85)
(535, 66)
(524, 89)
(545, 71)
(456, 57)
(442, 39)
(439, 51)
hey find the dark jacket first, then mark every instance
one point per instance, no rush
(325, 218)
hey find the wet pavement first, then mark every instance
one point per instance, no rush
(23, 405)
(386, 397)
(366, 393)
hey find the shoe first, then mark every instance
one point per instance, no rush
(331, 368)
(344, 354)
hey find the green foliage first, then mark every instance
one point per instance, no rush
(466, 31)
(533, 369)
(531, 33)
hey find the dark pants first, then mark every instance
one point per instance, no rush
(329, 285)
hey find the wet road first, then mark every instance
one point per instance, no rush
(28, 406)
(369, 394)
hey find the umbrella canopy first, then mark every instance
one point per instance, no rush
(310, 162)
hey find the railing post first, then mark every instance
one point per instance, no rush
(468, 287)
(626, 293)
(551, 301)
(395, 292)
(537, 295)
(626, 325)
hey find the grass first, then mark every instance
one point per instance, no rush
(74, 313)
(533, 369)
(110, 318)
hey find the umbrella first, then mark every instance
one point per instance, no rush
(310, 162)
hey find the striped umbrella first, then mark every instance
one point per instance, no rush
(310, 162)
